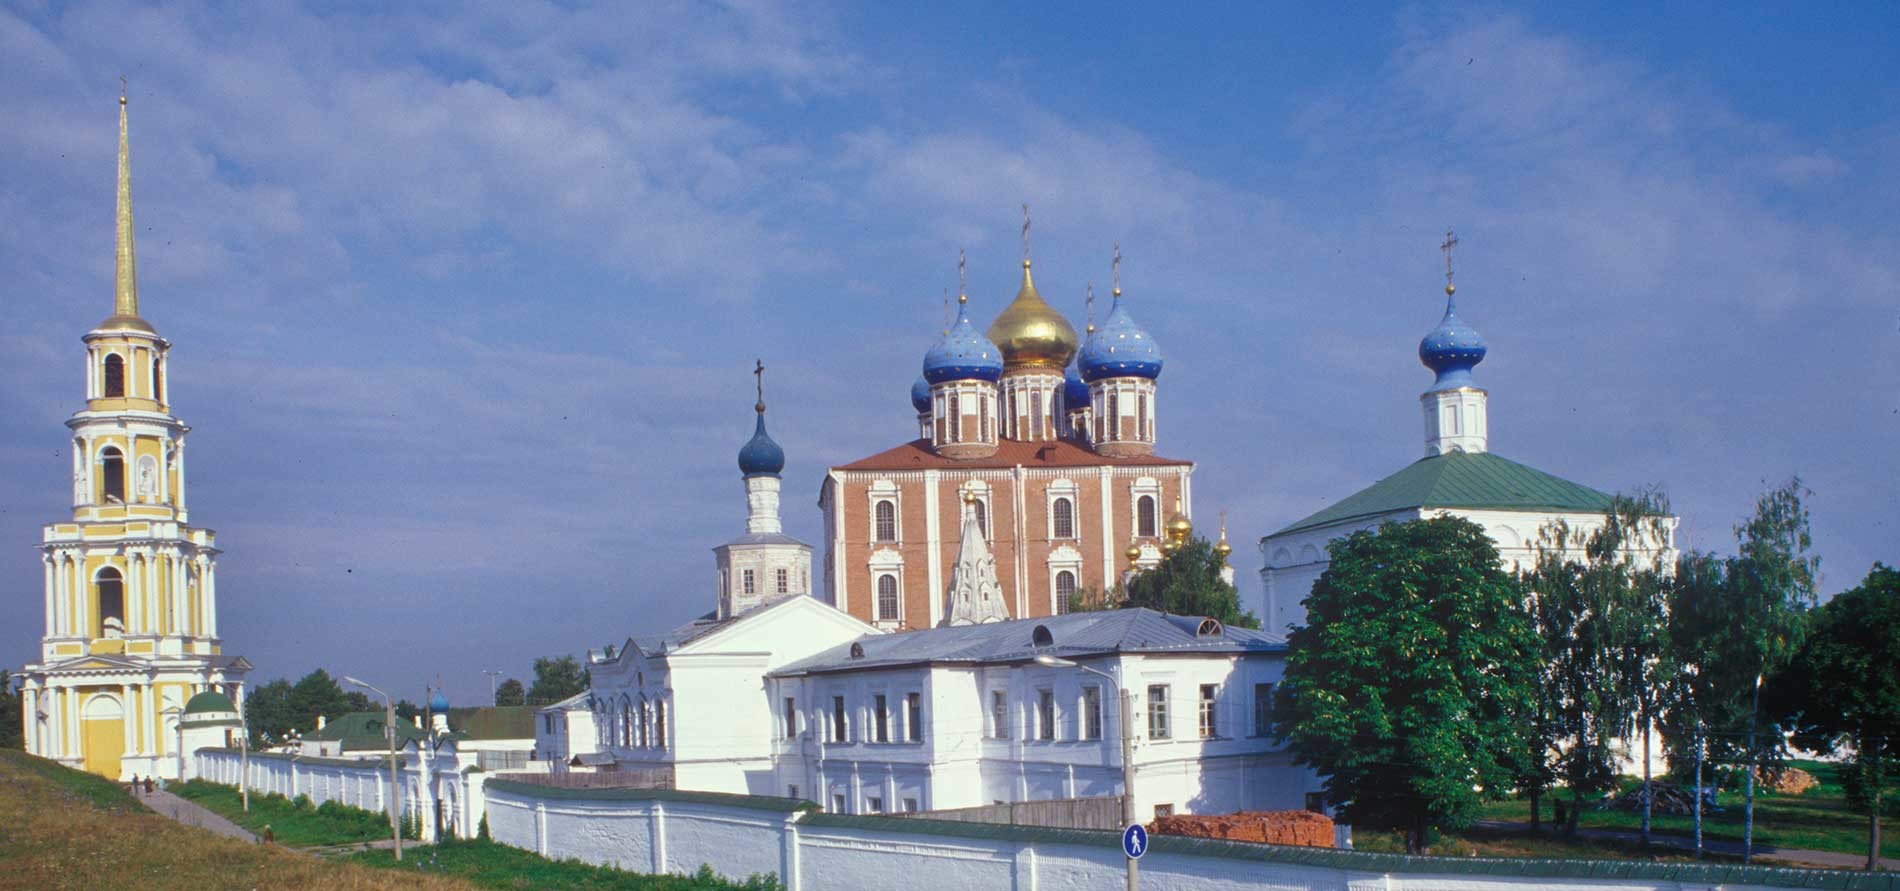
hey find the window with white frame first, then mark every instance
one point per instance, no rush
(887, 601)
(1145, 516)
(874, 804)
(791, 719)
(1262, 709)
(838, 726)
(914, 716)
(784, 581)
(884, 527)
(1158, 711)
(1062, 518)
(1065, 590)
(750, 584)
(910, 805)
(1210, 711)
(880, 719)
(1045, 714)
(999, 714)
(1091, 712)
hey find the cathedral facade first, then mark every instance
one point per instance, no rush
(130, 586)
(1041, 441)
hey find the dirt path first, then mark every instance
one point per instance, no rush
(192, 814)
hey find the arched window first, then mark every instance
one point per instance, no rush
(644, 738)
(626, 722)
(1145, 516)
(1065, 590)
(1112, 420)
(1064, 512)
(886, 529)
(659, 724)
(115, 375)
(982, 516)
(112, 471)
(158, 393)
(887, 598)
(111, 601)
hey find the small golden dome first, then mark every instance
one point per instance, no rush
(1179, 526)
(1031, 334)
(1133, 553)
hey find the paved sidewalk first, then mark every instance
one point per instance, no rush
(1792, 856)
(192, 814)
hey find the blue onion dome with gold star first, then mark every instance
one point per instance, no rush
(963, 354)
(1120, 348)
(920, 395)
(1075, 391)
(1452, 349)
(761, 456)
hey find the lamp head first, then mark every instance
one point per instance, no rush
(1047, 661)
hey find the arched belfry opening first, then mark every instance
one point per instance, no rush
(110, 601)
(115, 375)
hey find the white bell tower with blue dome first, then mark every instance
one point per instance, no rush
(1454, 407)
(764, 564)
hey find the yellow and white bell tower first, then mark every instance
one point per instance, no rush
(130, 588)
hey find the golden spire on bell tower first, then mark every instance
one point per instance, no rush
(125, 284)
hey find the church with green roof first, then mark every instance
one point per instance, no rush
(1459, 476)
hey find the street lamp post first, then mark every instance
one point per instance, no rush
(1128, 750)
(395, 788)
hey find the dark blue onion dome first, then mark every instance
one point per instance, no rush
(438, 703)
(1075, 392)
(761, 456)
(963, 354)
(1452, 349)
(1120, 348)
(920, 395)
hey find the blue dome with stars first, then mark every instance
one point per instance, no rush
(1120, 348)
(761, 456)
(1075, 393)
(438, 703)
(963, 354)
(1452, 349)
(920, 395)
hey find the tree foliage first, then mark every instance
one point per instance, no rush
(1841, 694)
(510, 692)
(1188, 582)
(555, 679)
(1407, 688)
(12, 717)
(275, 709)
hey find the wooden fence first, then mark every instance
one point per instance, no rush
(1057, 813)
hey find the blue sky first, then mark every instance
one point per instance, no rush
(465, 301)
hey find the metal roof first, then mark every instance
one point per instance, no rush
(1468, 480)
(1072, 635)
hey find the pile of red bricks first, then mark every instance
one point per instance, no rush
(1303, 828)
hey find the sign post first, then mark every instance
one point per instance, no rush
(1134, 844)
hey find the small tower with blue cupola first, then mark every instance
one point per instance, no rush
(920, 400)
(962, 370)
(1454, 407)
(764, 564)
(1120, 363)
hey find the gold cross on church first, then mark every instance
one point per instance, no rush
(1451, 241)
(759, 373)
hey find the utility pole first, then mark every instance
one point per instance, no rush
(493, 674)
(1128, 747)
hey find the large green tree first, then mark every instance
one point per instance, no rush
(510, 692)
(275, 709)
(1407, 688)
(12, 721)
(1841, 692)
(556, 679)
(1188, 582)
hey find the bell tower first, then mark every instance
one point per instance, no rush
(129, 586)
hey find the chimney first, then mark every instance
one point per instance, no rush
(319, 722)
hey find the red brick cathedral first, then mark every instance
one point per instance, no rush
(1048, 439)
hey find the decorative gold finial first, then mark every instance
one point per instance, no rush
(1451, 241)
(969, 496)
(1025, 236)
(963, 295)
(1117, 266)
(125, 284)
(1222, 548)
(758, 371)
(1090, 303)
(1133, 553)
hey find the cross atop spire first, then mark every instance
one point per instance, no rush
(1116, 265)
(1090, 303)
(963, 295)
(758, 372)
(1025, 235)
(1451, 241)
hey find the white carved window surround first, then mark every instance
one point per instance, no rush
(985, 518)
(885, 512)
(887, 588)
(1063, 490)
(1063, 560)
(1149, 487)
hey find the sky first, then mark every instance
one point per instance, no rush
(465, 298)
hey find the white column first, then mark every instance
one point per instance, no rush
(126, 726)
(29, 706)
(164, 471)
(82, 608)
(187, 624)
(933, 542)
(181, 473)
(92, 367)
(46, 565)
(74, 745)
(134, 588)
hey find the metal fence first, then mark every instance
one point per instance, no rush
(1057, 813)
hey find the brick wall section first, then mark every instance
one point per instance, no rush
(1302, 828)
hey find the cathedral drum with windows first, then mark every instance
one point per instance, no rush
(130, 588)
(1041, 443)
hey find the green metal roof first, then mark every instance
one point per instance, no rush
(359, 731)
(1476, 481)
(209, 701)
(493, 722)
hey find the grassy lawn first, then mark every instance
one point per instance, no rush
(291, 822)
(1478, 843)
(491, 865)
(1816, 820)
(62, 829)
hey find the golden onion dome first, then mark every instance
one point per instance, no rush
(1031, 334)
(1133, 553)
(1222, 549)
(1179, 526)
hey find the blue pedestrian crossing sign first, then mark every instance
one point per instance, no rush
(1134, 841)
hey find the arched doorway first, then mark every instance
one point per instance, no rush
(102, 734)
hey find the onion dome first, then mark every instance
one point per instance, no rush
(1452, 349)
(761, 456)
(210, 701)
(1075, 393)
(1120, 348)
(1133, 553)
(438, 703)
(1030, 333)
(920, 395)
(1179, 526)
(963, 353)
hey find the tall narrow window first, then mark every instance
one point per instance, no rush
(642, 717)
(886, 521)
(999, 714)
(111, 587)
(880, 718)
(837, 719)
(914, 716)
(1065, 590)
(749, 584)
(1210, 711)
(1112, 420)
(1145, 516)
(1158, 711)
(659, 724)
(791, 719)
(1091, 713)
(112, 472)
(1063, 512)
(784, 580)
(1141, 416)
(1262, 709)
(887, 598)
(982, 509)
(115, 375)
(158, 392)
(1045, 715)
(956, 419)
(1015, 414)
(983, 419)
